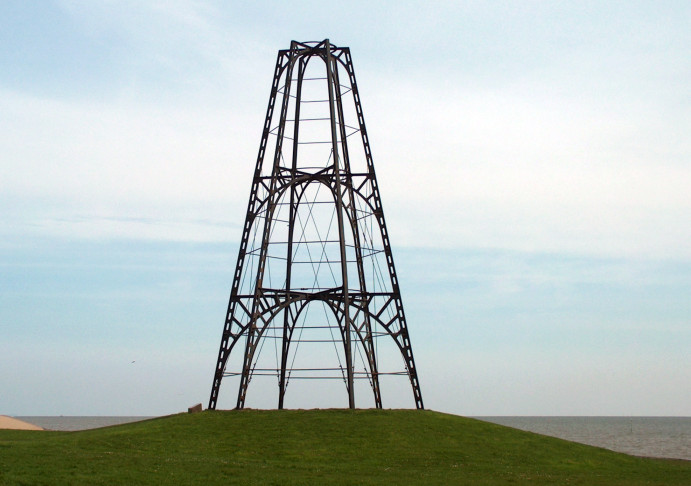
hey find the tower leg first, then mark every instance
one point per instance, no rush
(364, 295)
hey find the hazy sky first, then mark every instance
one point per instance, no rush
(534, 161)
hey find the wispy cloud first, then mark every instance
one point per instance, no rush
(583, 150)
(66, 158)
(512, 169)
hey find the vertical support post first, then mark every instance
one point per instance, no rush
(367, 339)
(230, 332)
(253, 333)
(330, 67)
(287, 324)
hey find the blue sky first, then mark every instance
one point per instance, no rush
(533, 158)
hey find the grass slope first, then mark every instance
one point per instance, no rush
(318, 447)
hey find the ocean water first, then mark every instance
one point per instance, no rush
(640, 436)
(71, 423)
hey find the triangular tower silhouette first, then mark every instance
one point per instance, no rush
(315, 287)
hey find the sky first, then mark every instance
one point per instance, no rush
(534, 162)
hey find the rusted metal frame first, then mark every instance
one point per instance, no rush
(275, 190)
(287, 323)
(302, 305)
(267, 313)
(326, 179)
(224, 348)
(302, 176)
(254, 204)
(237, 322)
(335, 302)
(398, 336)
(384, 306)
(367, 339)
(360, 306)
(368, 344)
(359, 190)
(365, 180)
(262, 182)
(305, 182)
(309, 46)
(356, 300)
(330, 65)
(315, 295)
(268, 302)
(251, 343)
(408, 353)
(406, 349)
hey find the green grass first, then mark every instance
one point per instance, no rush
(318, 447)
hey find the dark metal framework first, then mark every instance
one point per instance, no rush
(315, 265)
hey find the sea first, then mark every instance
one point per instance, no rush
(73, 423)
(667, 437)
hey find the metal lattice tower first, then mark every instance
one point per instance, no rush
(315, 293)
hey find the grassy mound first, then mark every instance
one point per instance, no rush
(318, 447)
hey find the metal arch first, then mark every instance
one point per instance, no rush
(402, 340)
(329, 298)
(301, 184)
(301, 300)
(246, 311)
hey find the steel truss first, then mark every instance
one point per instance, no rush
(315, 235)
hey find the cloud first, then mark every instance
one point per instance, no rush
(580, 150)
(71, 161)
(196, 44)
(511, 167)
